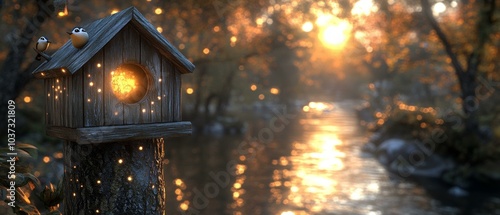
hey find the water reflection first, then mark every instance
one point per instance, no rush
(315, 166)
(237, 190)
(325, 166)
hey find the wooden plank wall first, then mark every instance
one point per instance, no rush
(65, 107)
(177, 96)
(49, 110)
(150, 106)
(131, 54)
(113, 111)
(93, 91)
(63, 96)
(157, 105)
(167, 88)
(58, 110)
(76, 100)
(57, 102)
(85, 99)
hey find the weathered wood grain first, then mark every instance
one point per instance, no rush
(76, 99)
(48, 102)
(131, 54)
(53, 94)
(150, 58)
(166, 93)
(146, 53)
(57, 102)
(113, 108)
(93, 108)
(177, 111)
(131, 44)
(64, 101)
(100, 33)
(106, 134)
(62, 132)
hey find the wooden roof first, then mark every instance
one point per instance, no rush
(68, 59)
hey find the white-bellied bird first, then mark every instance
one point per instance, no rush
(79, 37)
(41, 45)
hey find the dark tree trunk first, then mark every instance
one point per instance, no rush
(225, 93)
(208, 101)
(470, 104)
(467, 75)
(96, 181)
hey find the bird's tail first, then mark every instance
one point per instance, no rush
(38, 57)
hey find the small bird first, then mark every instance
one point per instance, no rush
(79, 37)
(41, 45)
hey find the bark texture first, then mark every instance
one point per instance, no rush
(114, 178)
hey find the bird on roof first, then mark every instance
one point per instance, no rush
(41, 45)
(79, 37)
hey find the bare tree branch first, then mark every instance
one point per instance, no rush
(427, 10)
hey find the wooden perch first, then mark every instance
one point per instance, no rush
(47, 57)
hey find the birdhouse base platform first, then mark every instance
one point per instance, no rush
(106, 134)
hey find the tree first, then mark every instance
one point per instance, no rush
(467, 66)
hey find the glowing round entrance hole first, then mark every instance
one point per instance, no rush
(129, 83)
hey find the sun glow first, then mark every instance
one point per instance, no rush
(336, 35)
(333, 31)
(324, 19)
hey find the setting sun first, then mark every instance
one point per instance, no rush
(336, 35)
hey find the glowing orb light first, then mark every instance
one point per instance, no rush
(129, 83)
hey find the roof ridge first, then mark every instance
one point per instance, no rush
(68, 59)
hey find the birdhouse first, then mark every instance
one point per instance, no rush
(126, 79)
(113, 100)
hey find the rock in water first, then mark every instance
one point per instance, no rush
(412, 158)
(457, 191)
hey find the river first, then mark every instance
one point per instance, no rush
(294, 165)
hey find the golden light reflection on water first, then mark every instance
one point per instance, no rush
(319, 170)
(237, 189)
(314, 172)
(180, 195)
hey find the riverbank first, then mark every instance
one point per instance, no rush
(415, 144)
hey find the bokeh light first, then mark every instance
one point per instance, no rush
(307, 27)
(27, 99)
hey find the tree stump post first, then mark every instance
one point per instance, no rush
(114, 178)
